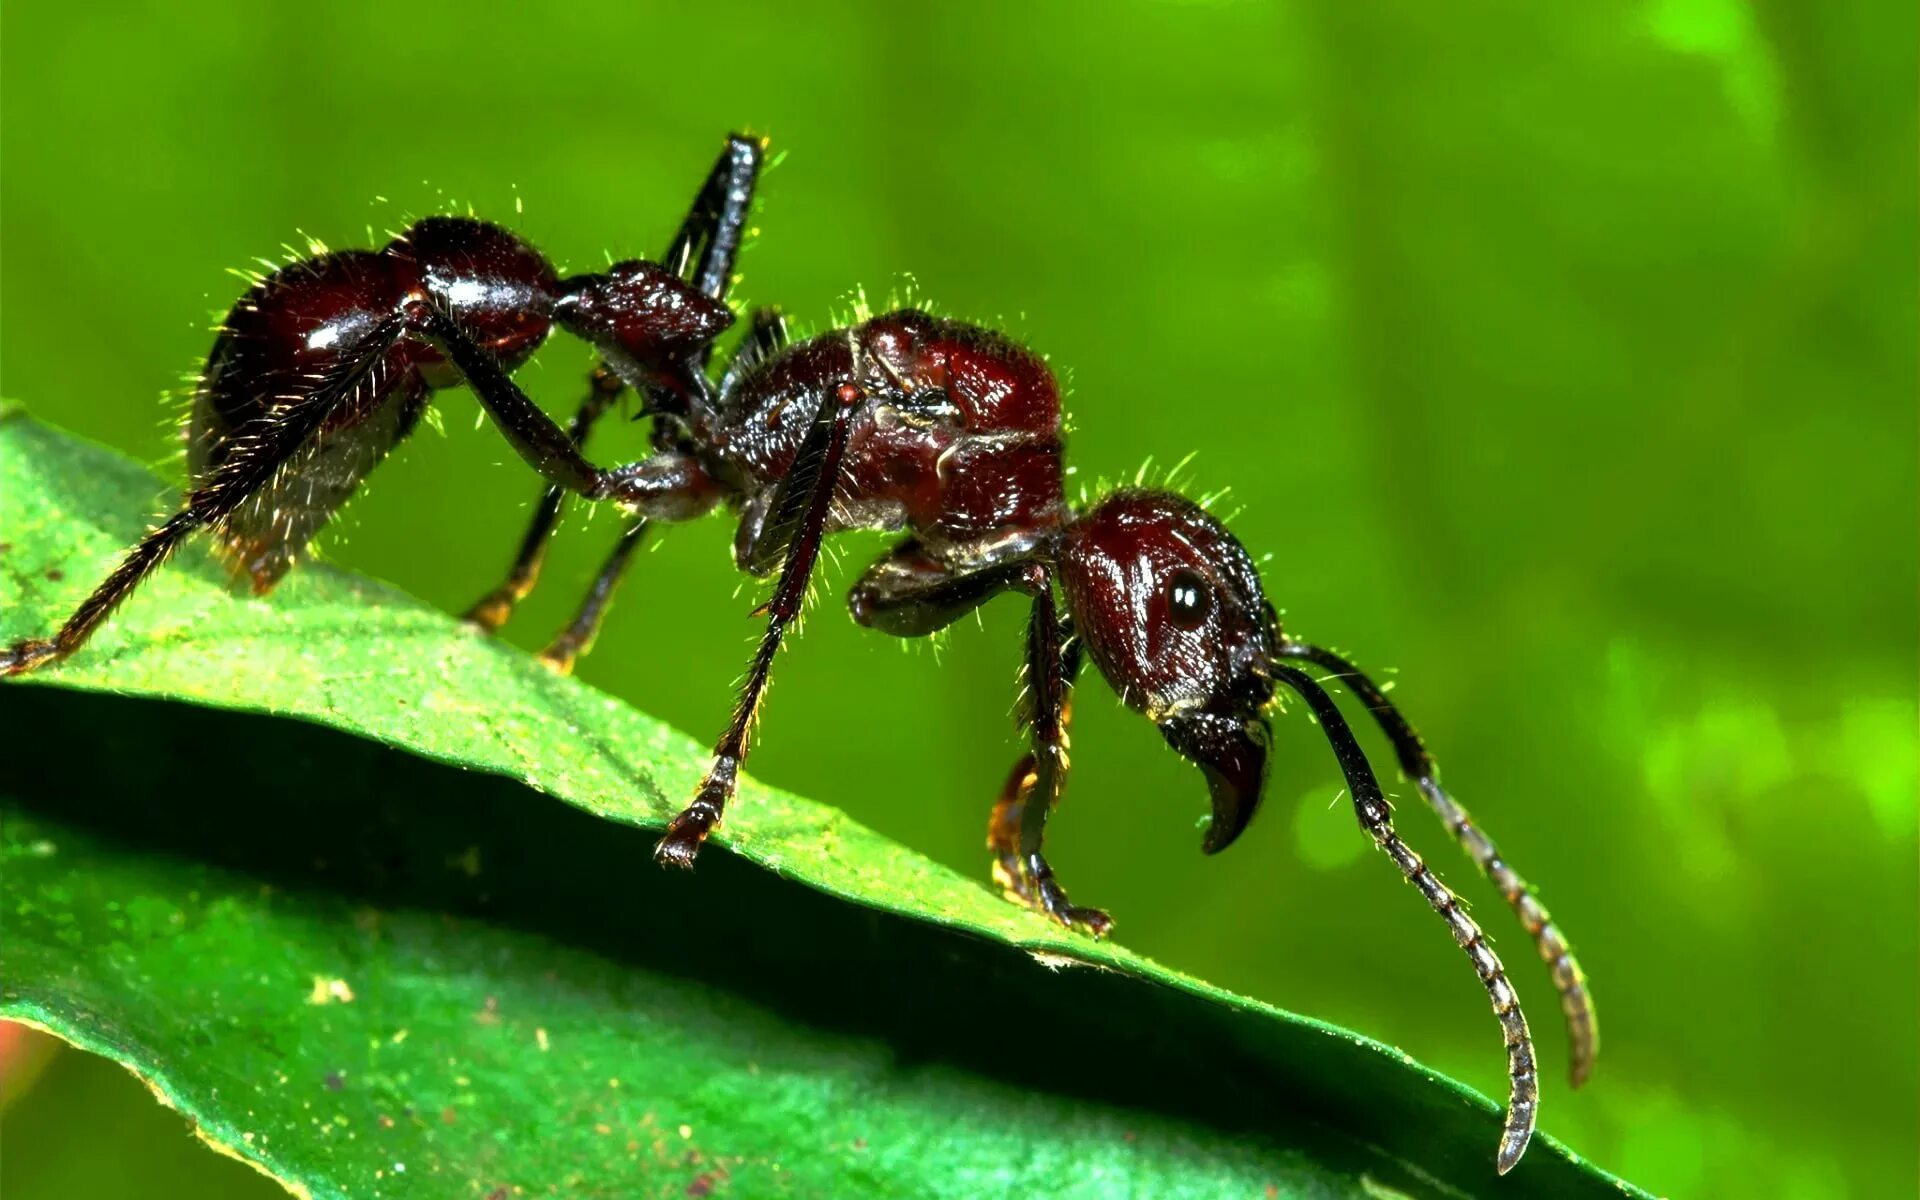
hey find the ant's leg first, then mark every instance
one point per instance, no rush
(1376, 817)
(256, 458)
(534, 435)
(716, 224)
(908, 593)
(577, 638)
(1583, 1034)
(1019, 820)
(679, 491)
(799, 518)
(148, 553)
(493, 609)
(1011, 871)
(1003, 829)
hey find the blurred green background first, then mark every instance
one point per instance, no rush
(1561, 356)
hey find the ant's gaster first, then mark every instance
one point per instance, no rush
(947, 432)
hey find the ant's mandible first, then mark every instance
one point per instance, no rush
(910, 422)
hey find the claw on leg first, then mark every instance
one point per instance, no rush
(560, 656)
(492, 610)
(22, 657)
(1029, 882)
(684, 836)
(1053, 901)
(681, 844)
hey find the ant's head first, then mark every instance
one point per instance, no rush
(1171, 609)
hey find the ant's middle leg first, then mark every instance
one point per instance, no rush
(491, 611)
(800, 507)
(909, 593)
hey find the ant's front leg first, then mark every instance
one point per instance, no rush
(1019, 820)
(909, 593)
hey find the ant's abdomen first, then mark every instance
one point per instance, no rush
(286, 335)
(287, 331)
(295, 328)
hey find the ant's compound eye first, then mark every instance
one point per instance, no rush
(1189, 599)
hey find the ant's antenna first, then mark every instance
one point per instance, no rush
(1576, 1003)
(1370, 804)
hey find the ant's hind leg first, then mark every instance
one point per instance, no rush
(251, 467)
(491, 611)
(716, 223)
(577, 638)
(714, 228)
(766, 336)
(666, 487)
(152, 550)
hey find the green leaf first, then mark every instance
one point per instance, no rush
(366, 973)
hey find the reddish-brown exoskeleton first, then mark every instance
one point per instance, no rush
(945, 431)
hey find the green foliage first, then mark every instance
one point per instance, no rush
(1560, 354)
(368, 975)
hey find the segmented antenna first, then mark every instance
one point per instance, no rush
(1576, 1004)
(1370, 805)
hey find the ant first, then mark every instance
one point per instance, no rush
(905, 422)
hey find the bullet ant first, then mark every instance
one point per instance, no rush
(907, 422)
